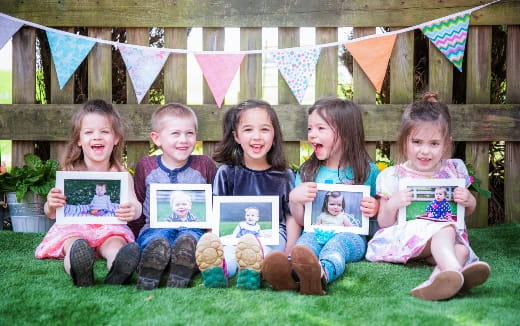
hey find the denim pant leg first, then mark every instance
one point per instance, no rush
(343, 248)
(151, 234)
(309, 240)
(196, 233)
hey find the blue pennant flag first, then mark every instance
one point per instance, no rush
(68, 53)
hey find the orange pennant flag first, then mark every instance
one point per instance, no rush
(372, 55)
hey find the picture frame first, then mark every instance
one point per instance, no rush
(168, 210)
(347, 218)
(231, 211)
(423, 197)
(92, 197)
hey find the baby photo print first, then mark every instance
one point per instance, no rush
(240, 215)
(181, 205)
(432, 199)
(337, 208)
(92, 197)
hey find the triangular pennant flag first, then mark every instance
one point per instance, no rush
(449, 36)
(7, 29)
(219, 70)
(372, 55)
(297, 66)
(67, 53)
(143, 66)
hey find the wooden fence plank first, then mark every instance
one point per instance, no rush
(489, 122)
(288, 37)
(24, 81)
(478, 90)
(327, 65)
(212, 40)
(176, 67)
(251, 67)
(135, 150)
(364, 91)
(60, 96)
(512, 151)
(239, 13)
(440, 74)
(100, 66)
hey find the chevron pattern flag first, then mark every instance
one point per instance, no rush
(449, 36)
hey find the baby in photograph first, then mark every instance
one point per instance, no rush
(332, 211)
(250, 225)
(180, 203)
(100, 204)
(439, 208)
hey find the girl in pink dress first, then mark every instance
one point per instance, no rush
(424, 141)
(95, 144)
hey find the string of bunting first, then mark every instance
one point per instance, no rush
(296, 65)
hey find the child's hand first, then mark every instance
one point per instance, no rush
(464, 197)
(401, 199)
(55, 199)
(369, 206)
(126, 212)
(304, 193)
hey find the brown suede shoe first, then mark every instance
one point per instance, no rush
(474, 274)
(443, 286)
(308, 268)
(277, 271)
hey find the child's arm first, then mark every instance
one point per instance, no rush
(388, 207)
(299, 196)
(236, 230)
(464, 197)
(55, 199)
(294, 230)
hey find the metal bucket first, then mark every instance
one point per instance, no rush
(28, 216)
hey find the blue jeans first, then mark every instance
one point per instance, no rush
(170, 234)
(342, 248)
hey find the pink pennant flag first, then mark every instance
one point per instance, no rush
(143, 66)
(219, 70)
(297, 66)
(372, 55)
(7, 29)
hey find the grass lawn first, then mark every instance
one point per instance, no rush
(38, 292)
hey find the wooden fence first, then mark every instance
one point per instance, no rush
(477, 122)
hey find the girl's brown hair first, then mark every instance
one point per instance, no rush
(72, 158)
(426, 110)
(344, 117)
(229, 152)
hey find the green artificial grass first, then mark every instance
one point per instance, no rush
(38, 292)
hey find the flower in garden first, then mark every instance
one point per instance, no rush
(3, 168)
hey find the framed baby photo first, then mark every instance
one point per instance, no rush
(337, 208)
(91, 197)
(181, 205)
(240, 215)
(432, 199)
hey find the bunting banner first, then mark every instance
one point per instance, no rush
(449, 36)
(219, 71)
(143, 66)
(297, 67)
(372, 56)
(67, 53)
(8, 27)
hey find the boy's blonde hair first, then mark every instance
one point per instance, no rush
(175, 110)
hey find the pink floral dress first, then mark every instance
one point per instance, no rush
(401, 242)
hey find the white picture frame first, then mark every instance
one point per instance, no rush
(79, 186)
(162, 203)
(423, 195)
(317, 218)
(231, 210)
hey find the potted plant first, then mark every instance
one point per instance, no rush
(25, 188)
